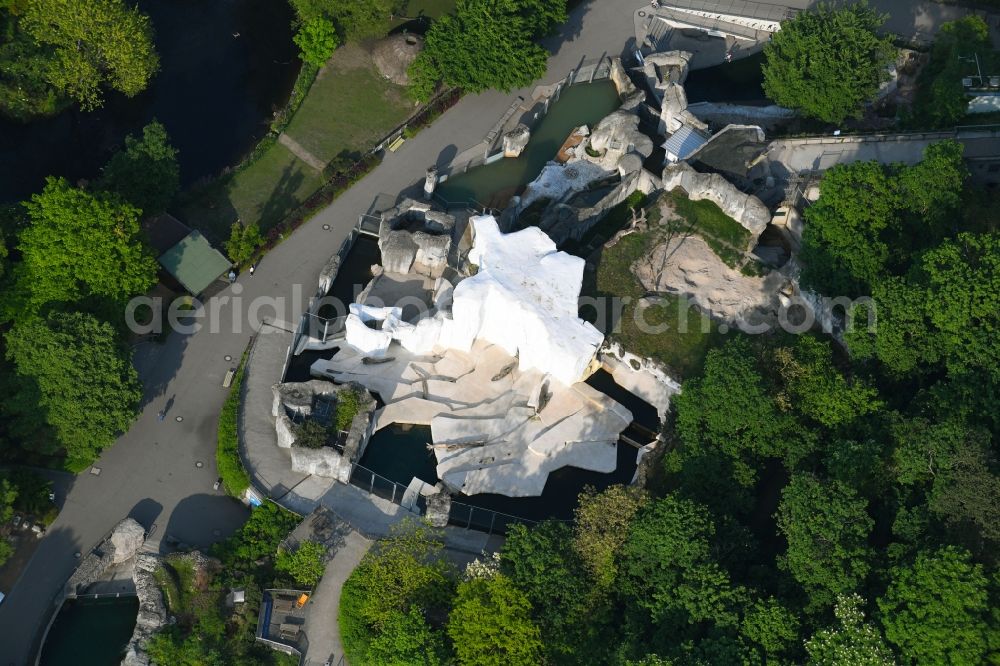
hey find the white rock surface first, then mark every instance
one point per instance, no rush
(325, 461)
(487, 439)
(524, 299)
(557, 180)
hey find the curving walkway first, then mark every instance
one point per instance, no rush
(152, 472)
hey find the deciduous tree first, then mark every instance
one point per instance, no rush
(145, 173)
(80, 244)
(243, 242)
(316, 40)
(936, 611)
(668, 570)
(852, 641)
(487, 44)
(353, 20)
(96, 43)
(490, 624)
(305, 564)
(88, 389)
(827, 62)
(827, 528)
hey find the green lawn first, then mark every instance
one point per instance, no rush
(264, 192)
(349, 107)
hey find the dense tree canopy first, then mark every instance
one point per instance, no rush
(490, 624)
(87, 389)
(145, 173)
(827, 62)
(487, 44)
(94, 44)
(872, 220)
(80, 244)
(936, 610)
(827, 528)
(852, 641)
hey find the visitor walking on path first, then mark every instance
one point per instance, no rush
(253, 267)
(232, 277)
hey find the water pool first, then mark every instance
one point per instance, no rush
(493, 184)
(400, 452)
(91, 632)
(737, 82)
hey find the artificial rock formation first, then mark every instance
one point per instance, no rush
(523, 298)
(495, 428)
(415, 238)
(126, 540)
(515, 141)
(614, 137)
(665, 74)
(121, 545)
(152, 612)
(299, 398)
(749, 211)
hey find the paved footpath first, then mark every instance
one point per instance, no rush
(152, 472)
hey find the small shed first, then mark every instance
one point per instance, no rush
(683, 143)
(164, 231)
(194, 263)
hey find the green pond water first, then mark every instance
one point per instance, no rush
(579, 104)
(90, 632)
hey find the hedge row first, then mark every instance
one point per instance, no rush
(227, 452)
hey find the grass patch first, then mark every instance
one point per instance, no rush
(264, 192)
(727, 238)
(666, 328)
(348, 406)
(349, 107)
(227, 451)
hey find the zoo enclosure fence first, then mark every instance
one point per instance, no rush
(460, 514)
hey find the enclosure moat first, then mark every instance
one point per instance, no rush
(492, 184)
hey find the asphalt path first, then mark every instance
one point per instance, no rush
(161, 472)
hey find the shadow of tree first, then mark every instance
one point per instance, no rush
(283, 198)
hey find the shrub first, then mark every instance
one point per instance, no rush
(348, 405)
(257, 539)
(243, 242)
(312, 434)
(305, 564)
(227, 453)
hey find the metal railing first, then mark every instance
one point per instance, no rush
(484, 520)
(376, 484)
